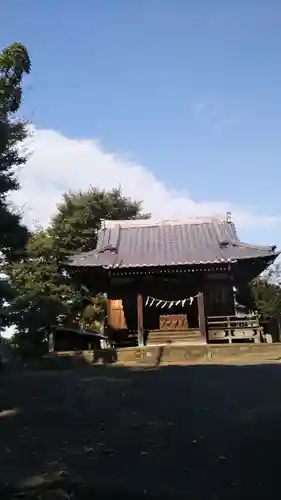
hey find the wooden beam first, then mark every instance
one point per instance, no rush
(201, 314)
(140, 320)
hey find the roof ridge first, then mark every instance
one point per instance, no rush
(242, 244)
(134, 223)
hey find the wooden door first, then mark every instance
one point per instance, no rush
(115, 314)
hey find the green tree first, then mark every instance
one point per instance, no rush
(45, 293)
(79, 216)
(42, 293)
(14, 63)
(263, 294)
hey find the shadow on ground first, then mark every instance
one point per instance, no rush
(200, 432)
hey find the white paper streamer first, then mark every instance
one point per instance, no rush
(168, 303)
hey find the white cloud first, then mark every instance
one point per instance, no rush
(215, 114)
(201, 106)
(58, 164)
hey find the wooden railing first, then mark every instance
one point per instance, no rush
(231, 328)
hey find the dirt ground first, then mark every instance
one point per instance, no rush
(199, 432)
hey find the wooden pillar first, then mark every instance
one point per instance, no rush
(278, 329)
(201, 314)
(108, 312)
(51, 342)
(140, 320)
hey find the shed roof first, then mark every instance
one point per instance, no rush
(147, 243)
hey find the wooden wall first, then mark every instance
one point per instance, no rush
(122, 298)
(115, 314)
(122, 302)
(219, 298)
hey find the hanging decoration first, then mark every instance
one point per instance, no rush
(150, 301)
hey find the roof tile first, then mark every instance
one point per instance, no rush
(125, 244)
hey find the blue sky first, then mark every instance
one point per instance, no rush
(190, 91)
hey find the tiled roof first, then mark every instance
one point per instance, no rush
(168, 243)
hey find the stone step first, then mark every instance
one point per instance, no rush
(171, 335)
(176, 342)
(164, 340)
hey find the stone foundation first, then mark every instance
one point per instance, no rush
(155, 355)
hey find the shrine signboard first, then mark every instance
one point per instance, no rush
(173, 322)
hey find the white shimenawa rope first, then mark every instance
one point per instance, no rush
(150, 301)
